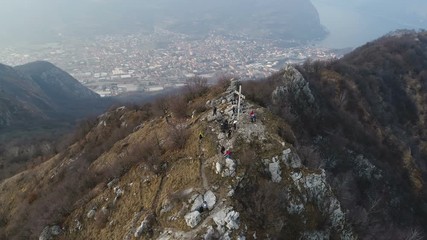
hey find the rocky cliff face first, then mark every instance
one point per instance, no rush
(362, 119)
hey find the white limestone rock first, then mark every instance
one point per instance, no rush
(241, 237)
(275, 172)
(230, 170)
(218, 167)
(296, 89)
(91, 213)
(145, 225)
(193, 219)
(112, 183)
(230, 193)
(290, 159)
(314, 188)
(219, 217)
(45, 234)
(295, 208)
(210, 234)
(221, 136)
(232, 220)
(315, 235)
(227, 217)
(118, 191)
(49, 232)
(197, 203)
(252, 130)
(210, 199)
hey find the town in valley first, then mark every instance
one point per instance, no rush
(159, 60)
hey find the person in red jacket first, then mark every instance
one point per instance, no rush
(227, 154)
(253, 116)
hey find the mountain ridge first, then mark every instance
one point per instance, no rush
(337, 151)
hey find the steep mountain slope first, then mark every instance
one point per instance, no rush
(57, 84)
(364, 116)
(135, 174)
(41, 91)
(39, 103)
(20, 96)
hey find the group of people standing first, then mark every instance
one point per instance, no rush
(230, 126)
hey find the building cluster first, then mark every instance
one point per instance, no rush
(162, 59)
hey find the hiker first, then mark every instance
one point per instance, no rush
(235, 125)
(234, 110)
(229, 133)
(214, 111)
(200, 136)
(227, 154)
(253, 117)
(222, 149)
(224, 126)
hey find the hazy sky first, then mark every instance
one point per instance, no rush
(350, 23)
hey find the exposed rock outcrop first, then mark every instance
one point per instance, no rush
(295, 91)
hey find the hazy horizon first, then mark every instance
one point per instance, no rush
(350, 24)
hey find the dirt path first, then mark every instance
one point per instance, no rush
(202, 167)
(155, 203)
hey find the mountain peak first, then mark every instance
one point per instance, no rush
(56, 83)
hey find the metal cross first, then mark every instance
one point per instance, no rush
(238, 104)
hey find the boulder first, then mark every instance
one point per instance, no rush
(290, 159)
(112, 183)
(50, 231)
(230, 170)
(193, 219)
(91, 213)
(232, 220)
(144, 227)
(197, 203)
(227, 217)
(218, 167)
(210, 199)
(210, 234)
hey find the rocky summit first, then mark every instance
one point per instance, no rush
(232, 178)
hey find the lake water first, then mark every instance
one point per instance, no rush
(352, 28)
